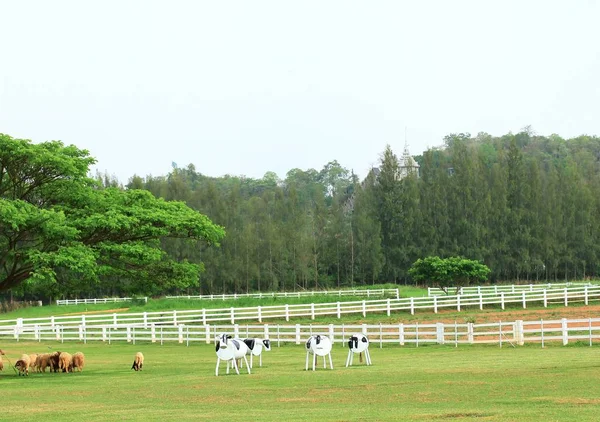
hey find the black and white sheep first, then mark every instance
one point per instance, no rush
(358, 343)
(318, 345)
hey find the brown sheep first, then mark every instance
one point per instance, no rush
(54, 361)
(138, 362)
(42, 362)
(65, 362)
(32, 360)
(22, 365)
(78, 361)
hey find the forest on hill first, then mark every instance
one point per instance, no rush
(528, 206)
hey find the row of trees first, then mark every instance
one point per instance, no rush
(527, 206)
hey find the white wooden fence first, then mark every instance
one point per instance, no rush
(308, 293)
(232, 315)
(507, 288)
(501, 333)
(99, 300)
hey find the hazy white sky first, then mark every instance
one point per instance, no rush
(245, 87)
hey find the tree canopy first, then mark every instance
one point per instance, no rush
(449, 272)
(55, 220)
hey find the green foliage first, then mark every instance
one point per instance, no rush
(449, 272)
(56, 223)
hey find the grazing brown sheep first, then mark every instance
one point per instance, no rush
(65, 362)
(138, 362)
(78, 361)
(42, 362)
(54, 361)
(32, 360)
(22, 365)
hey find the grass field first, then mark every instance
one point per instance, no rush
(468, 383)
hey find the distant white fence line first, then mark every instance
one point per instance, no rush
(506, 288)
(99, 300)
(233, 315)
(501, 333)
(306, 293)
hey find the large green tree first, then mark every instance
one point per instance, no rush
(54, 219)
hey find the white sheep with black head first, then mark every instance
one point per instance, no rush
(358, 343)
(256, 346)
(318, 345)
(230, 350)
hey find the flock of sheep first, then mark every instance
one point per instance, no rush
(58, 362)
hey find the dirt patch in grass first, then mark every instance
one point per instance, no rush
(106, 311)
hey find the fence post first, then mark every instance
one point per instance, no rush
(287, 313)
(480, 302)
(258, 308)
(401, 334)
(524, 301)
(542, 331)
(297, 333)
(115, 320)
(590, 327)
(388, 307)
(331, 334)
(128, 334)
(180, 327)
(203, 316)
(232, 315)
(585, 293)
(364, 308)
(429, 291)
(312, 311)
(435, 304)
(207, 331)
(412, 305)
(566, 297)
(145, 319)
(545, 298)
(266, 335)
(52, 321)
(104, 333)
(519, 335)
(439, 329)
(502, 299)
(153, 333)
(81, 331)
(236, 331)
(458, 303)
(397, 293)
(470, 332)
(57, 330)
(339, 310)
(175, 317)
(565, 331)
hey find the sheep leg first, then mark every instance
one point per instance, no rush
(368, 357)
(227, 367)
(217, 368)
(314, 361)
(260, 360)
(348, 358)
(330, 361)
(306, 369)
(324, 362)
(251, 359)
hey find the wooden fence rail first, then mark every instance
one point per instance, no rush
(501, 333)
(507, 288)
(299, 294)
(388, 306)
(99, 300)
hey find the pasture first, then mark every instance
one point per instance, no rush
(482, 383)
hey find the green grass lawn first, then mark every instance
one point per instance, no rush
(468, 383)
(157, 305)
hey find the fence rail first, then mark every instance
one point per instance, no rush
(506, 288)
(309, 293)
(99, 300)
(233, 315)
(501, 333)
